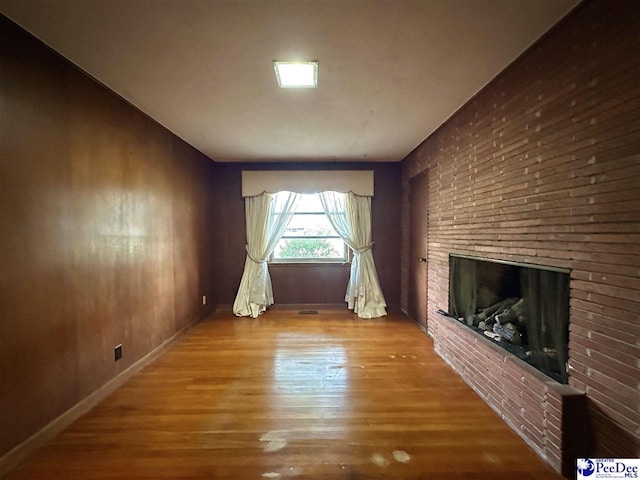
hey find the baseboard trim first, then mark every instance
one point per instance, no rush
(226, 308)
(14, 457)
(308, 306)
(419, 325)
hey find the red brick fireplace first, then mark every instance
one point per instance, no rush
(551, 416)
(543, 167)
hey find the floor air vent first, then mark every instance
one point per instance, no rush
(308, 312)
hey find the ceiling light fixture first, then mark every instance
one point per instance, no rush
(296, 74)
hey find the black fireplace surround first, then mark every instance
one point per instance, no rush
(523, 308)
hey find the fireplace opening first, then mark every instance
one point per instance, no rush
(522, 308)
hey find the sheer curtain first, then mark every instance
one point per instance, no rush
(350, 216)
(267, 217)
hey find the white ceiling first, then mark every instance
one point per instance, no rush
(390, 71)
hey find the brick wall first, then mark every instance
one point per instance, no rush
(543, 166)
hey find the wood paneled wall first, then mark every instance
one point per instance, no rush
(543, 166)
(105, 239)
(311, 284)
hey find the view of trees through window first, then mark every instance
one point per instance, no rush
(309, 236)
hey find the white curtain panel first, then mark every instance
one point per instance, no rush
(350, 216)
(267, 217)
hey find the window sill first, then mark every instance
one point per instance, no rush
(309, 264)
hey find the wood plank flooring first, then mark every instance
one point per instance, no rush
(289, 395)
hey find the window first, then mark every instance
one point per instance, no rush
(310, 237)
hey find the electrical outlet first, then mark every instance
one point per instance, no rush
(204, 299)
(117, 352)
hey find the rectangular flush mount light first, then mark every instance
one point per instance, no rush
(296, 74)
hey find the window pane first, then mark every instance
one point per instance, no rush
(310, 203)
(314, 224)
(306, 248)
(309, 236)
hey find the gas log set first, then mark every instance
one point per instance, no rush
(506, 321)
(503, 320)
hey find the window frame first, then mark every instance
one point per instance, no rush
(345, 259)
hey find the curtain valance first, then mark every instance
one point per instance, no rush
(256, 182)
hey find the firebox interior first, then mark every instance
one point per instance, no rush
(524, 308)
